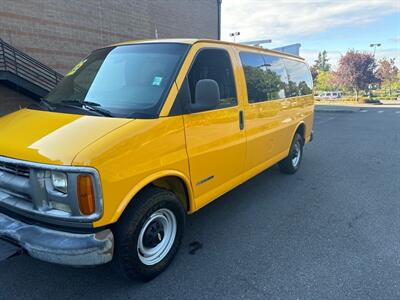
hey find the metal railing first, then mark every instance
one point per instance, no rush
(18, 63)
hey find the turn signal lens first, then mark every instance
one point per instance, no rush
(86, 194)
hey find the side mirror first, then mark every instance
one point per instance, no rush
(207, 95)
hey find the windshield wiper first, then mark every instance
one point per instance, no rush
(96, 107)
(80, 103)
(88, 105)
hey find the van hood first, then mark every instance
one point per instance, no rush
(49, 137)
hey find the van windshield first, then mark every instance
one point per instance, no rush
(123, 81)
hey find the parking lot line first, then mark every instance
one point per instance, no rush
(381, 111)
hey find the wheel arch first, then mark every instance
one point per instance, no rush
(172, 180)
(300, 129)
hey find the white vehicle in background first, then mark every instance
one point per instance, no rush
(329, 95)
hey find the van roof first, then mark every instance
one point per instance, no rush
(193, 41)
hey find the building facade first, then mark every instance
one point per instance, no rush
(60, 33)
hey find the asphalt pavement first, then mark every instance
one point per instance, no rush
(331, 231)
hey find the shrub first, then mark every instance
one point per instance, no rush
(389, 98)
(347, 99)
(370, 101)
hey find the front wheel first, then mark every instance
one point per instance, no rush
(148, 234)
(291, 163)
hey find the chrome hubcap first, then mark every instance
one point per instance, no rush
(156, 237)
(296, 154)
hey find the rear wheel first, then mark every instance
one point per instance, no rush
(149, 233)
(292, 162)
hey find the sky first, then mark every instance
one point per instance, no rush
(335, 26)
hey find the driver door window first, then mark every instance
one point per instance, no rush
(214, 64)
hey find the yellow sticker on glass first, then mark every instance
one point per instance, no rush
(76, 68)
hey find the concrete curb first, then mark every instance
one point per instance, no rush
(390, 102)
(359, 105)
(336, 110)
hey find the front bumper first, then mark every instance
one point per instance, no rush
(57, 246)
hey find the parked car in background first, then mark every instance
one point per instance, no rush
(329, 96)
(137, 136)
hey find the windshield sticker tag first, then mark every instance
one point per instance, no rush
(157, 80)
(76, 68)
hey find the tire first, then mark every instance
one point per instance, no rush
(154, 220)
(291, 163)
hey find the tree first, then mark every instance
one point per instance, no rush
(387, 72)
(356, 71)
(314, 72)
(396, 83)
(325, 81)
(321, 63)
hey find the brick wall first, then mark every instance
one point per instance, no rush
(11, 99)
(60, 33)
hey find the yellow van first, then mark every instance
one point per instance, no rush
(137, 136)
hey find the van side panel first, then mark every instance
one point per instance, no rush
(303, 108)
(296, 110)
(263, 123)
(263, 126)
(132, 156)
(271, 125)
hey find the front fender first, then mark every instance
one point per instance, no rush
(146, 181)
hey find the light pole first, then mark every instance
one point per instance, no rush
(375, 46)
(234, 35)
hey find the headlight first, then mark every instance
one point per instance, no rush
(62, 195)
(60, 181)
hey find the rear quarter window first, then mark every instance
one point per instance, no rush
(300, 82)
(265, 77)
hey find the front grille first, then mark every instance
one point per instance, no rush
(14, 169)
